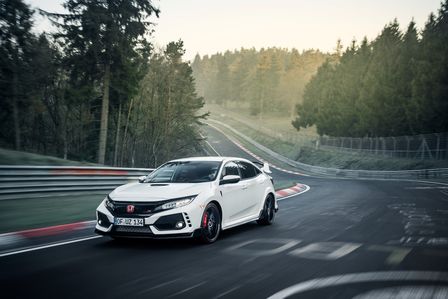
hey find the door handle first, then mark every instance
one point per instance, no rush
(244, 187)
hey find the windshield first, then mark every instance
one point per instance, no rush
(185, 172)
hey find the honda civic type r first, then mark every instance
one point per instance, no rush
(192, 197)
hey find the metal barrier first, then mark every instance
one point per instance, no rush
(425, 146)
(41, 181)
(439, 173)
(419, 147)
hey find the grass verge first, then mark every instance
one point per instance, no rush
(10, 157)
(20, 214)
(322, 157)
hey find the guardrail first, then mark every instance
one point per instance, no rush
(438, 173)
(38, 181)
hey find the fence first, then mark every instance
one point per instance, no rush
(39, 181)
(427, 146)
(439, 173)
(423, 147)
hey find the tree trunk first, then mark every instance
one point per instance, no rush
(15, 111)
(104, 116)
(117, 136)
(125, 137)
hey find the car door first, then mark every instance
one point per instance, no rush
(233, 196)
(253, 184)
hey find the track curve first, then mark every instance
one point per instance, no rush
(337, 228)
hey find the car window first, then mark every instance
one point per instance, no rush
(247, 170)
(230, 168)
(185, 172)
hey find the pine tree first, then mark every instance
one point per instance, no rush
(430, 85)
(102, 38)
(15, 54)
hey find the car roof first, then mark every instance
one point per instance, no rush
(209, 158)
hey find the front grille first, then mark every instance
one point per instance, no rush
(133, 229)
(146, 208)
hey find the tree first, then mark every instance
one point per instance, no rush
(165, 118)
(15, 52)
(380, 110)
(395, 85)
(430, 85)
(102, 38)
(238, 78)
(406, 74)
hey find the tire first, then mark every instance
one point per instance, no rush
(268, 213)
(210, 224)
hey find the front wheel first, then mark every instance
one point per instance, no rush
(210, 224)
(268, 213)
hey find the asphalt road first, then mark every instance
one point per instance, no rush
(341, 239)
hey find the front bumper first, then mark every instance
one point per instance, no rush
(158, 225)
(148, 235)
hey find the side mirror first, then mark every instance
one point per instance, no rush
(141, 179)
(230, 179)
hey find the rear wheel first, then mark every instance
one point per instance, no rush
(268, 212)
(210, 224)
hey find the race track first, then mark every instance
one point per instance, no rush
(341, 239)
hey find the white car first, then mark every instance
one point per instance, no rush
(192, 197)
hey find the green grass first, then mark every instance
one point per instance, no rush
(10, 157)
(20, 214)
(336, 159)
(305, 153)
(274, 123)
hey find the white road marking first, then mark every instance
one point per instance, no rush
(306, 189)
(252, 154)
(206, 141)
(318, 283)
(47, 246)
(396, 255)
(325, 250)
(187, 289)
(159, 286)
(426, 188)
(285, 244)
(9, 239)
(227, 292)
(415, 292)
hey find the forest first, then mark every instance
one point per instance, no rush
(94, 89)
(395, 85)
(270, 80)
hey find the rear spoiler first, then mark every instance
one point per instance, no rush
(263, 166)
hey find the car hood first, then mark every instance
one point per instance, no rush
(147, 192)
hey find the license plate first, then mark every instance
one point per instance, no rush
(129, 221)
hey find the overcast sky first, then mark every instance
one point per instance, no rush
(210, 26)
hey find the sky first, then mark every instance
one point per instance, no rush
(210, 26)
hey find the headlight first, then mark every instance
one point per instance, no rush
(176, 203)
(109, 203)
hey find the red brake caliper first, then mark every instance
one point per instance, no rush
(204, 220)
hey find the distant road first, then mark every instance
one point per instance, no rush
(342, 238)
